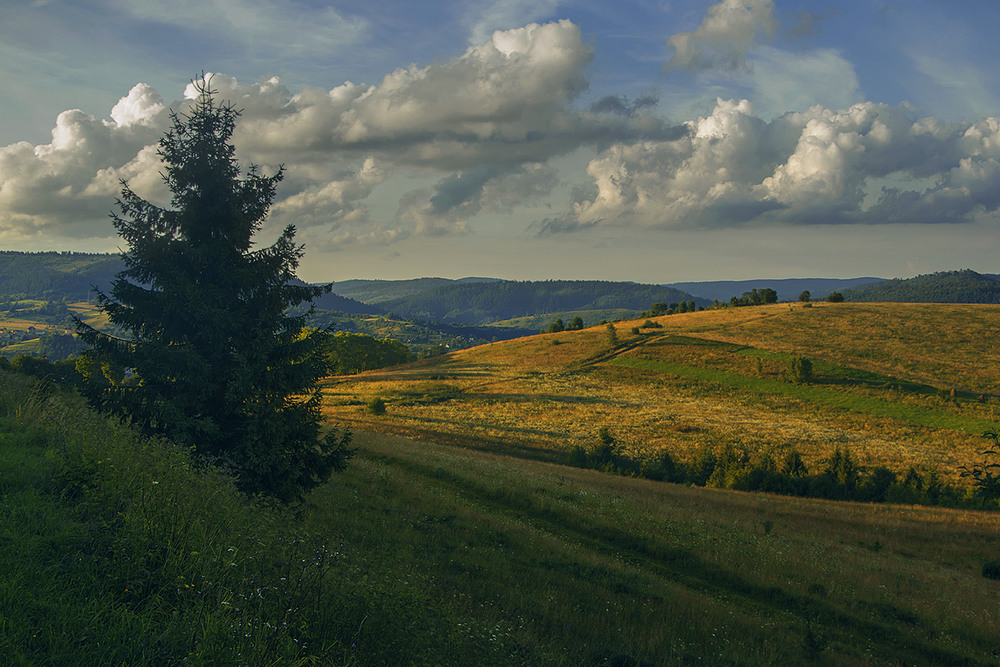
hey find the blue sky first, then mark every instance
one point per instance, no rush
(654, 141)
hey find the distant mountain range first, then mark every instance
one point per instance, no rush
(478, 302)
(484, 301)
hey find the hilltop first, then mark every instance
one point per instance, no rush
(716, 378)
(964, 286)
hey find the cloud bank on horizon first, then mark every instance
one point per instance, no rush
(512, 134)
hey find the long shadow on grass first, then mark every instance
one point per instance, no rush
(889, 640)
(553, 398)
(465, 423)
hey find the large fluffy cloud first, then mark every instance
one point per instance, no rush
(65, 186)
(429, 149)
(505, 99)
(819, 166)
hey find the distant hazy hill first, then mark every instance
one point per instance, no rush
(378, 291)
(964, 286)
(55, 275)
(788, 289)
(476, 302)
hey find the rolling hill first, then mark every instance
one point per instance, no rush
(715, 378)
(55, 275)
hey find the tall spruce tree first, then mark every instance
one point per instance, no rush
(207, 352)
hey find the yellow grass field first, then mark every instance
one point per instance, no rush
(899, 385)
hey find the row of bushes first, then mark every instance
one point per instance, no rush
(728, 467)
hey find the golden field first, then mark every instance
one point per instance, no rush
(898, 385)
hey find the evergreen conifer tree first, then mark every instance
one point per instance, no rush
(207, 352)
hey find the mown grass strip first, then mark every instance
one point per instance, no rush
(839, 399)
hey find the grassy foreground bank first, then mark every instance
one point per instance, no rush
(117, 551)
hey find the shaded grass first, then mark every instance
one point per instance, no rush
(117, 550)
(611, 568)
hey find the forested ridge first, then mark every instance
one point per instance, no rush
(55, 275)
(965, 286)
(481, 303)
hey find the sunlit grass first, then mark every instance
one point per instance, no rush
(884, 375)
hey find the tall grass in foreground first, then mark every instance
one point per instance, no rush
(116, 550)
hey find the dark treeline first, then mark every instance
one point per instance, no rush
(964, 286)
(485, 302)
(839, 478)
(755, 297)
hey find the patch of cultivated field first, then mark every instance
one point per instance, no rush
(883, 383)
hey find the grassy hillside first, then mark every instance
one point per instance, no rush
(884, 375)
(115, 550)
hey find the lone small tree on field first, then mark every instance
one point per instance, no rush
(805, 296)
(800, 369)
(612, 334)
(211, 358)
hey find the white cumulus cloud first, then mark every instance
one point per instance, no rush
(820, 166)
